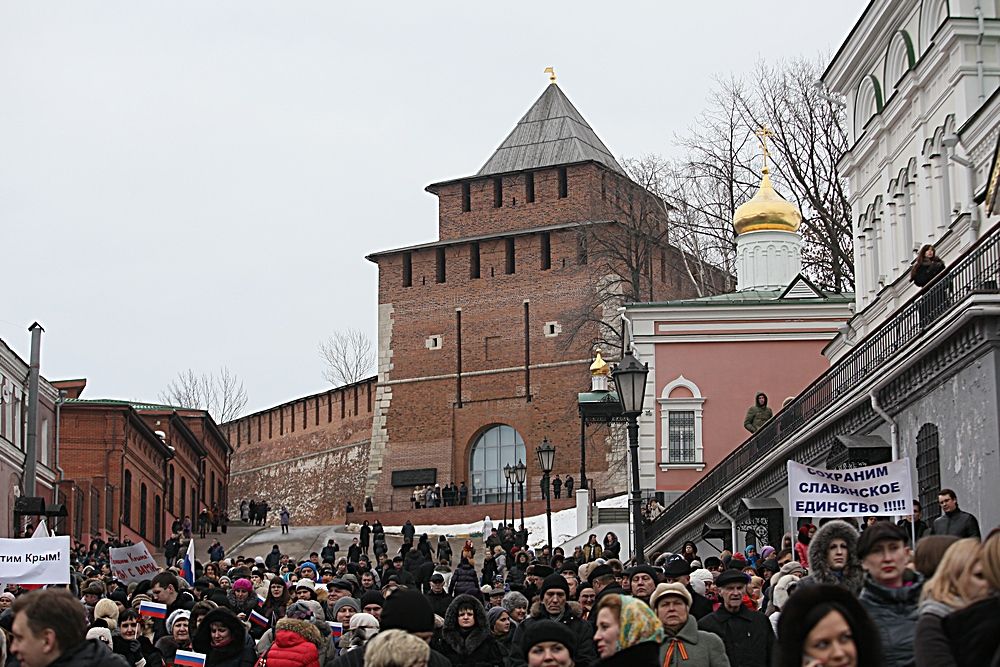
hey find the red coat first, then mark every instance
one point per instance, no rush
(295, 645)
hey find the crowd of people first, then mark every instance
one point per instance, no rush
(836, 594)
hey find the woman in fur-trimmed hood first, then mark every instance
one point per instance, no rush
(296, 644)
(466, 638)
(833, 557)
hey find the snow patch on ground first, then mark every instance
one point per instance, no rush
(563, 525)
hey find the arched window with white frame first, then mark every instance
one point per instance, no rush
(681, 410)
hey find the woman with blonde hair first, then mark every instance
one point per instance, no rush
(957, 583)
(974, 632)
(396, 648)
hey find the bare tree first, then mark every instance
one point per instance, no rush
(349, 356)
(222, 394)
(721, 167)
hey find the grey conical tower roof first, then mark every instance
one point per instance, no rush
(552, 133)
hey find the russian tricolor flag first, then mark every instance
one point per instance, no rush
(336, 629)
(189, 659)
(261, 599)
(152, 609)
(259, 619)
(187, 564)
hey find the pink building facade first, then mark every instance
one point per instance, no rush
(708, 359)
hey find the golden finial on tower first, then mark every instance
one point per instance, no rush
(552, 74)
(763, 133)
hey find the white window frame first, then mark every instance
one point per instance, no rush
(695, 403)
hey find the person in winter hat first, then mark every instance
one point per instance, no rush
(833, 554)
(758, 413)
(466, 638)
(825, 625)
(684, 644)
(362, 628)
(780, 593)
(296, 644)
(628, 632)
(891, 591)
(553, 605)
(224, 640)
(242, 598)
(802, 541)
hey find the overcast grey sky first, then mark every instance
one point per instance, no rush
(196, 184)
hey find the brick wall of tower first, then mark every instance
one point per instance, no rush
(310, 455)
(583, 201)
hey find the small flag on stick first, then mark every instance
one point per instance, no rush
(336, 629)
(152, 609)
(189, 659)
(258, 619)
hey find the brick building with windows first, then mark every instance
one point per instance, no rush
(131, 469)
(484, 335)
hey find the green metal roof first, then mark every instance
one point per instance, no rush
(135, 404)
(747, 298)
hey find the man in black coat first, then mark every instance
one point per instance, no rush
(553, 606)
(954, 521)
(678, 570)
(747, 634)
(438, 596)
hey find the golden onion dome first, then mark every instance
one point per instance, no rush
(600, 367)
(767, 211)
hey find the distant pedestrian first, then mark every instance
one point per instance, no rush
(348, 512)
(954, 521)
(557, 487)
(365, 534)
(542, 484)
(284, 516)
(758, 414)
(463, 494)
(568, 484)
(369, 505)
(244, 511)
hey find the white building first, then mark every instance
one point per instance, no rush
(915, 373)
(920, 80)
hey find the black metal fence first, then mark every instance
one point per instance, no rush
(978, 271)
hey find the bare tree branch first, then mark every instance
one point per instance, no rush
(349, 356)
(222, 395)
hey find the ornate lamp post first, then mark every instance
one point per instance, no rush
(546, 460)
(507, 485)
(630, 381)
(520, 472)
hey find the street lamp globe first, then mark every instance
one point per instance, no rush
(508, 471)
(546, 456)
(630, 381)
(521, 472)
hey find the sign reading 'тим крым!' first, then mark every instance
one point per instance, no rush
(883, 489)
(36, 560)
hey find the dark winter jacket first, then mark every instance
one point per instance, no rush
(91, 653)
(701, 606)
(296, 644)
(643, 654)
(757, 415)
(974, 633)
(930, 648)
(852, 576)
(439, 602)
(443, 549)
(136, 650)
(238, 653)
(586, 653)
(474, 647)
(748, 635)
(958, 523)
(894, 613)
(272, 560)
(927, 270)
(408, 531)
(464, 580)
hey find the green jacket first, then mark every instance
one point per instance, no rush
(757, 415)
(703, 649)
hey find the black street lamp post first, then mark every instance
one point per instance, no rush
(507, 486)
(630, 382)
(520, 471)
(546, 460)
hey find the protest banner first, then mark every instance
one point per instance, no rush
(884, 489)
(36, 560)
(133, 563)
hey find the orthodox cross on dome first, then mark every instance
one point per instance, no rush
(551, 71)
(763, 133)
